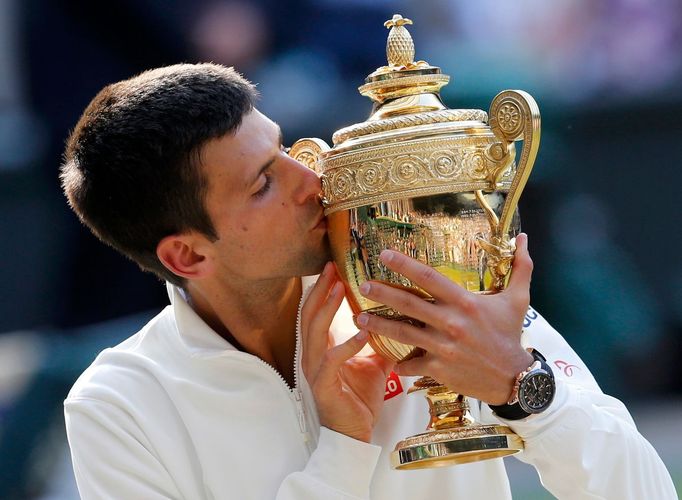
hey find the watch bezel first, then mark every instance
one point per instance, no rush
(525, 389)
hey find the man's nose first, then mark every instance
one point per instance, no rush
(308, 184)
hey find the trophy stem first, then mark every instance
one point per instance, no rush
(452, 437)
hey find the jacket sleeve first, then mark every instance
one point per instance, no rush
(339, 468)
(585, 445)
(112, 459)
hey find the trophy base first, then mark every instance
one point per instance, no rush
(469, 443)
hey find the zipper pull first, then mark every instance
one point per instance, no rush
(300, 410)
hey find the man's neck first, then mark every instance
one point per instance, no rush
(259, 319)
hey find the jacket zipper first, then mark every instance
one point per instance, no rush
(296, 391)
(298, 395)
(298, 399)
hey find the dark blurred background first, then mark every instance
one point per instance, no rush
(601, 208)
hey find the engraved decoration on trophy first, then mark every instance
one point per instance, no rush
(442, 186)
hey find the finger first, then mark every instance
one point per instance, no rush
(419, 366)
(437, 285)
(318, 330)
(400, 331)
(522, 271)
(407, 303)
(317, 295)
(336, 357)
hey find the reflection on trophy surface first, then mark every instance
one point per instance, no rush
(441, 186)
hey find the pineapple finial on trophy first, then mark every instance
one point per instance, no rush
(399, 46)
(402, 75)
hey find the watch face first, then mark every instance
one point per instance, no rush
(536, 391)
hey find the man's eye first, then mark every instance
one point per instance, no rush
(266, 187)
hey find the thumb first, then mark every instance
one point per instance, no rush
(522, 268)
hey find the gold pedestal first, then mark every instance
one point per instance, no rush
(432, 449)
(453, 436)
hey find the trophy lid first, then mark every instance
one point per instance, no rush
(405, 93)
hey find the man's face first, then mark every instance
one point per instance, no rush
(264, 206)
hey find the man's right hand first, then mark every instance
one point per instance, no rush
(348, 389)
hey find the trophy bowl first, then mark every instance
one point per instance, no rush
(442, 186)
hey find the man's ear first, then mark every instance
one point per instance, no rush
(185, 255)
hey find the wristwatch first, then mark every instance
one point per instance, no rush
(533, 391)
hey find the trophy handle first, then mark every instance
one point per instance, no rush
(308, 151)
(514, 116)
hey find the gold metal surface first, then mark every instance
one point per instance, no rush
(441, 231)
(458, 159)
(514, 116)
(437, 184)
(455, 446)
(399, 46)
(402, 76)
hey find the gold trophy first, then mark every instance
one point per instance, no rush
(442, 186)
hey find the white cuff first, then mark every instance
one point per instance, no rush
(344, 463)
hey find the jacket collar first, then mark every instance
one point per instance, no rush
(194, 334)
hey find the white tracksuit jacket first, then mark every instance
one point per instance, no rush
(177, 412)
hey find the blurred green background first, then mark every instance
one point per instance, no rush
(601, 208)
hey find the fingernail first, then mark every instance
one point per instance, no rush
(365, 288)
(386, 256)
(327, 268)
(361, 335)
(336, 289)
(363, 319)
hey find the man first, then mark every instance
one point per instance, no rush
(235, 390)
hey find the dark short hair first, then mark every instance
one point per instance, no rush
(131, 168)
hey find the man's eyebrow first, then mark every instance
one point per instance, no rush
(280, 139)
